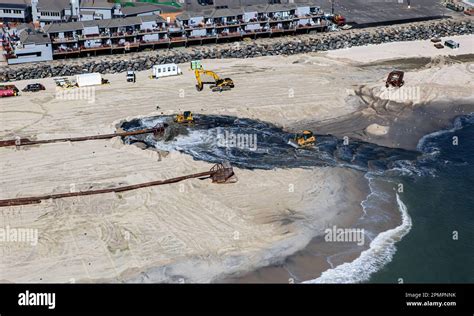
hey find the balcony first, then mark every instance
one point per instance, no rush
(66, 50)
(65, 39)
(151, 31)
(160, 41)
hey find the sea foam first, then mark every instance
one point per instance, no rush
(380, 252)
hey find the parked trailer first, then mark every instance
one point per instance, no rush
(86, 80)
(451, 44)
(166, 70)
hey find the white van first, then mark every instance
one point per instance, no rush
(166, 70)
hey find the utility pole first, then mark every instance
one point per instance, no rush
(332, 6)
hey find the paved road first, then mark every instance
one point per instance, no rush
(365, 12)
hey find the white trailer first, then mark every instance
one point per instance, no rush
(86, 80)
(166, 70)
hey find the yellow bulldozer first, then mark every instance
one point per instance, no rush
(305, 139)
(217, 84)
(185, 117)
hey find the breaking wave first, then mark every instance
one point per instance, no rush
(380, 252)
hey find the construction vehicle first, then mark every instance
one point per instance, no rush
(395, 79)
(303, 140)
(217, 84)
(339, 20)
(185, 117)
(469, 11)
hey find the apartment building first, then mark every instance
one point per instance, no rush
(110, 35)
(251, 20)
(46, 12)
(28, 46)
(145, 29)
(95, 10)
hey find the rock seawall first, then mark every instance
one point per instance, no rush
(261, 47)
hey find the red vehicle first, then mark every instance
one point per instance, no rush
(339, 20)
(8, 91)
(395, 79)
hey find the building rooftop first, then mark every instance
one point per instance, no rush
(63, 27)
(280, 7)
(14, 3)
(152, 17)
(128, 21)
(97, 4)
(34, 38)
(219, 13)
(139, 8)
(53, 5)
(255, 8)
(99, 23)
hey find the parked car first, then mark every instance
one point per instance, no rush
(34, 87)
(8, 91)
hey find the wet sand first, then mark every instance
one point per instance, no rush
(310, 262)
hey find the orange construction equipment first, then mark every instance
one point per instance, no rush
(217, 84)
(339, 20)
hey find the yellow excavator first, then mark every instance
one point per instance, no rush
(217, 84)
(185, 117)
(303, 140)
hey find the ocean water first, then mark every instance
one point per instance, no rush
(440, 244)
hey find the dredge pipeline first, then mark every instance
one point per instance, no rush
(219, 173)
(159, 129)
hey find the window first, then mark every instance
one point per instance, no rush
(174, 68)
(34, 54)
(17, 11)
(159, 70)
(7, 11)
(169, 68)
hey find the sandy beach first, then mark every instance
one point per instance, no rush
(195, 231)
